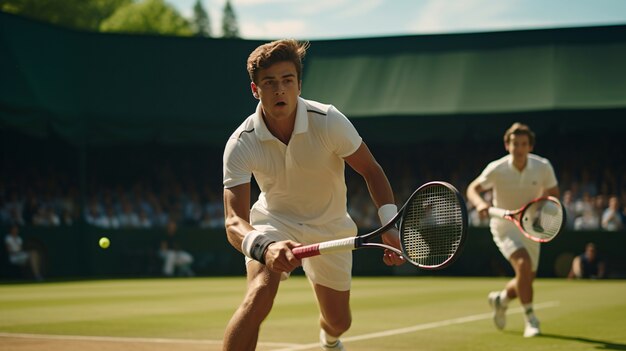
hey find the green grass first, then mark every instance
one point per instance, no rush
(578, 315)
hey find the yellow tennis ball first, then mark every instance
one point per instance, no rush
(104, 242)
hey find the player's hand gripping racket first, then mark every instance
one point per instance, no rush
(540, 220)
(432, 223)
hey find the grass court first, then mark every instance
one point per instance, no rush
(389, 313)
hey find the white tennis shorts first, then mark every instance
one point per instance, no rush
(509, 239)
(332, 270)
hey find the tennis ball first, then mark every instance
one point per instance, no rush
(104, 242)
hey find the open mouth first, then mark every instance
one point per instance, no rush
(281, 103)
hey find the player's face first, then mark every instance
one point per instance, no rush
(519, 146)
(278, 89)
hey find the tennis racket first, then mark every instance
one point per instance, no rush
(540, 220)
(432, 226)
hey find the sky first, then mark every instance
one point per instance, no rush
(337, 19)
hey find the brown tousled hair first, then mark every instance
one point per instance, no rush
(268, 54)
(519, 129)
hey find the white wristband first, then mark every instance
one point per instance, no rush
(248, 242)
(387, 212)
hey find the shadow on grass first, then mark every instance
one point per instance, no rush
(601, 344)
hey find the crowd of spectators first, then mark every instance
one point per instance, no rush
(137, 205)
(585, 211)
(593, 189)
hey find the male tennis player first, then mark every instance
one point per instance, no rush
(515, 180)
(296, 150)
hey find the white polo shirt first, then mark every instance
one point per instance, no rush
(512, 188)
(302, 182)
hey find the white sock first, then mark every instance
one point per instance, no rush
(327, 338)
(529, 313)
(504, 298)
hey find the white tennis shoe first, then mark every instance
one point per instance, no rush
(336, 346)
(499, 311)
(532, 328)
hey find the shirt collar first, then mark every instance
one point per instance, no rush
(301, 125)
(528, 164)
(302, 118)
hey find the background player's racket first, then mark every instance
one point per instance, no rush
(432, 225)
(540, 220)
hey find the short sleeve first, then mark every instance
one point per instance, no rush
(237, 168)
(485, 179)
(343, 137)
(550, 178)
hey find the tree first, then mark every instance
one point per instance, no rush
(147, 17)
(75, 14)
(230, 29)
(201, 21)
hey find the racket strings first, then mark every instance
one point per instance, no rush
(543, 219)
(433, 226)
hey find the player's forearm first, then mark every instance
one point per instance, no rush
(474, 194)
(237, 214)
(236, 230)
(380, 189)
(377, 184)
(364, 163)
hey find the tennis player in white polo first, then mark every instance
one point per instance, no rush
(296, 150)
(515, 180)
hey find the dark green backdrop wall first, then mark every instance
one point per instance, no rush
(74, 252)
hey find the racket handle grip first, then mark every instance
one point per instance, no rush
(325, 247)
(498, 212)
(306, 251)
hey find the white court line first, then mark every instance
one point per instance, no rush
(418, 327)
(284, 346)
(131, 340)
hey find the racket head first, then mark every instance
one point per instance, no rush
(543, 219)
(433, 226)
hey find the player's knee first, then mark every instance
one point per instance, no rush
(523, 265)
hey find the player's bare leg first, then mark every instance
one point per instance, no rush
(522, 287)
(335, 315)
(242, 332)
